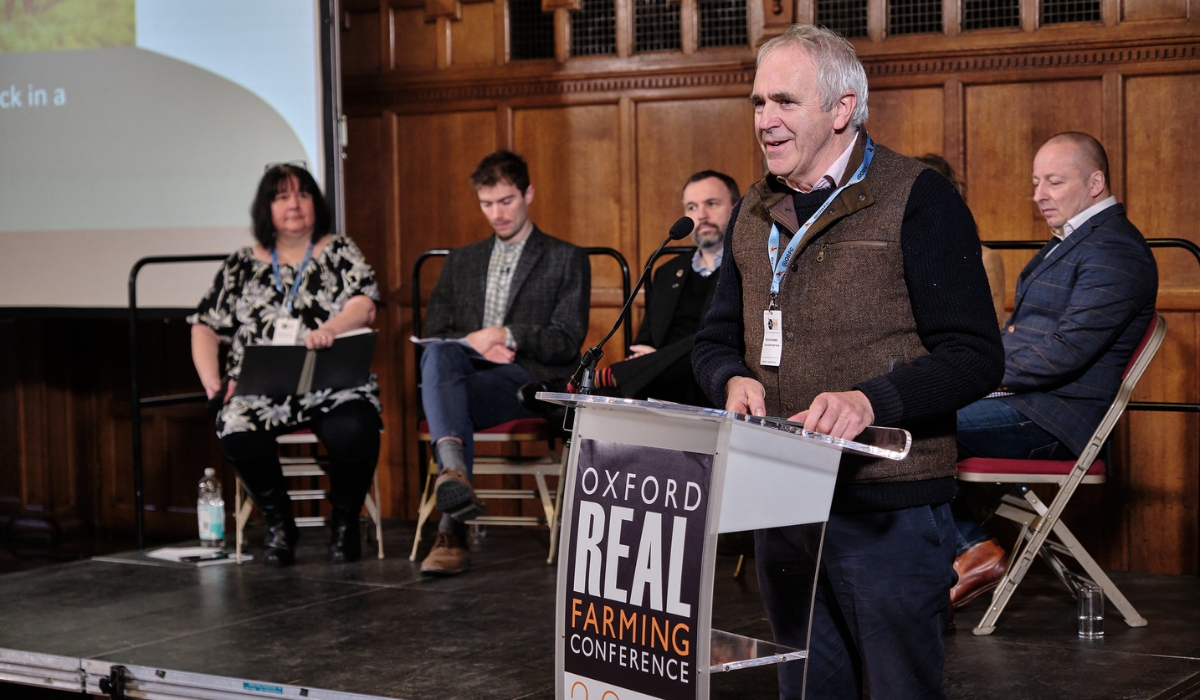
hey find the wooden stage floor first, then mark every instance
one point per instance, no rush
(378, 628)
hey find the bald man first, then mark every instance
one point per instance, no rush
(1082, 305)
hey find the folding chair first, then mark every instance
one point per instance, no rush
(514, 434)
(300, 467)
(1040, 521)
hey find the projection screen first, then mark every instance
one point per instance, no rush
(133, 128)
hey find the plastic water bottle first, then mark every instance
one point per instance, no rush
(210, 510)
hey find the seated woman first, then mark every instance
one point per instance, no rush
(299, 283)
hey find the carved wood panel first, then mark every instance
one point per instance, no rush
(908, 121)
(676, 138)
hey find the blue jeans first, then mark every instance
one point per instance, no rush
(882, 601)
(462, 392)
(992, 428)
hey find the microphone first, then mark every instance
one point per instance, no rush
(582, 380)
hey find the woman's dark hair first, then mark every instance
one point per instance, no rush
(274, 181)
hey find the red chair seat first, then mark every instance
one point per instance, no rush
(520, 425)
(1053, 467)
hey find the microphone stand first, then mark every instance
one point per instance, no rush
(583, 380)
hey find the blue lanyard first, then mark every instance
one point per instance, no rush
(780, 264)
(290, 297)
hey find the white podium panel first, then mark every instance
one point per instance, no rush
(648, 487)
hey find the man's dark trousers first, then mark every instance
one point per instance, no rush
(883, 599)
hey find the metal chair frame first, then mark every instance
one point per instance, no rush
(515, 464)
(1039, 521)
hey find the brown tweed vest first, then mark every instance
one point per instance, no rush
(845, 306)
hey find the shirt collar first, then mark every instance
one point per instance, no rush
(833, 175)
(698, 263)
(1082, 217)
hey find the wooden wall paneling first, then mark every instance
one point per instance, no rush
(1161, 134)
(1029, 15)
(954, 135)
(445, 44)
(31, 419)
(387, 37)
(629, 190)
(755, 23)
(677, 138)
(1112, 130)
(10, 407)
(689, 26)
(574, 156)
(1141, 10)
(1110, 12)
(361, 42)
(779, 14)
(624, 27)
(367, 188)
(876, 19)
(908, 121)
(504, 126)
(473, 38)
(1005, 125)
(500, 19)
(416, 40)
(1163, 137)
(436, 155)
(1163, 481)
(951, 17)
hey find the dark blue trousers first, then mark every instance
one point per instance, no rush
(992, 428)
(881, 604)
(462, 392)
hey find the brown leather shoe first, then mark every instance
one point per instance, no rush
(979, 569)
(448, 557)
(454, 496)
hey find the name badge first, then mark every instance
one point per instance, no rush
(286, 330)
(772, 347)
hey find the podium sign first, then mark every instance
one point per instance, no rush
(633, 571)
(648, 487)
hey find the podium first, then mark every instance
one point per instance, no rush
(649, 485)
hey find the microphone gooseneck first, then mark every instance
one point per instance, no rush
(582, 380)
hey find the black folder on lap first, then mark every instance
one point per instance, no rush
(282, 370)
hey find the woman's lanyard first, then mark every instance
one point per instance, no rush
(290, 297)
(780, 264)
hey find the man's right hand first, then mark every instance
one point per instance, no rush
(745, 395)
(639, 350)
(484, 339)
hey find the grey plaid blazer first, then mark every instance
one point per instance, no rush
(547, 303)
(1080, 312)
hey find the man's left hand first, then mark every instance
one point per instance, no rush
(842, 414)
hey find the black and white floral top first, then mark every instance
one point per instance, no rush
(243, 305)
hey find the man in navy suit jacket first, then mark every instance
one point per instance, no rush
(1082, 305)
(511, 309)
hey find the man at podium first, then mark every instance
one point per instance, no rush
(852, 294)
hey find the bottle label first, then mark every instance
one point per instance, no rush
(211, 519)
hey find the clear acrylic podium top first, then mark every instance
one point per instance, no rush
(888, 443)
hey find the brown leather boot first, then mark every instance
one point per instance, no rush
(979, 569)
(448, 557)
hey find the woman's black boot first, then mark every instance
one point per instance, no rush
(345, 539)
(279, 548)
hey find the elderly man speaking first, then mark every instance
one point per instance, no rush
(852, 294)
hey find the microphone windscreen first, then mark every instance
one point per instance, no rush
(680, 229)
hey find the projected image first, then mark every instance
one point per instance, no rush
(141, 127)
(56, 25)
